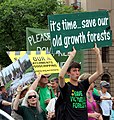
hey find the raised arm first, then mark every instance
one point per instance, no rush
(16, 101)
(99, 66)
(65, 67)
(35, 83)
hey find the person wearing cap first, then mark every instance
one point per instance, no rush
(106, 105)
(51, 106)
(45, 92)
(74, 92)
(22, 95)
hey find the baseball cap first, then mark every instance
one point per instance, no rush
(26, 87)
(46, 75)
(54, 79)
(104, 84)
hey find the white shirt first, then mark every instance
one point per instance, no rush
(106, 105)
(51, 106)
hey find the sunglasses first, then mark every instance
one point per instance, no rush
(29, 97)
(45, 76)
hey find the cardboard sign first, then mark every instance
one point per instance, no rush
(42, 63)
(20, 72)
(81, 30)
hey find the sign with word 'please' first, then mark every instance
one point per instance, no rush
(39, 40)
(80, 30)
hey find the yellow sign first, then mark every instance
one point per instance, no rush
(42, 63)
(66, 79)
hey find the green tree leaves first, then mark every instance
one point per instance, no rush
(16, 15)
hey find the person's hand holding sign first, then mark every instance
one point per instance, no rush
(96, 49)
(99, 67)
(33, 86)
(72, 53)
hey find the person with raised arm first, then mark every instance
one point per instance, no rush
(30, 107)
(45, 92)
(74, 92)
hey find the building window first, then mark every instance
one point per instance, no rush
(105, 54)
(76, 4)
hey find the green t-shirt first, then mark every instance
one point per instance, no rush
(44, 94)
(95, 92)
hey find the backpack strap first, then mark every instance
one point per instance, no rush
(38, 90)
(50, 89)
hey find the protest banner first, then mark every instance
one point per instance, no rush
(42, 63)
(80, 30)
(39, 39)
(20, 72)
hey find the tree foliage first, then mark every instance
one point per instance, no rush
(16, 15)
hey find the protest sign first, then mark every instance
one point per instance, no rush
(81, 30)
(20, 72)
(39, 39)
(42, 63)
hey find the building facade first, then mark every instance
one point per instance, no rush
(107, 53)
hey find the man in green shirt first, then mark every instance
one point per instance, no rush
(45, 92)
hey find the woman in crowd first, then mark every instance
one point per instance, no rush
(22, 95)
(92, 107)
(51, 105)
(30, 107)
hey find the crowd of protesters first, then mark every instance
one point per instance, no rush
(77, 99)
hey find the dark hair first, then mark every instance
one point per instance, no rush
(1, 87)
(73, 64)
(54, 79)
